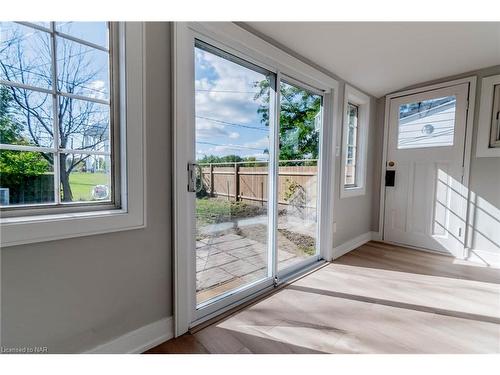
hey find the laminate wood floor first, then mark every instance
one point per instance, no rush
(378, 298)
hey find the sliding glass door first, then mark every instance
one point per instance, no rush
(232, 154)
(257, 147)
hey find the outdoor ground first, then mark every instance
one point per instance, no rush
(82, 183)
(231, 247)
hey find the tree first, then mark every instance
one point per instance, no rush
(16, 164)
(298, 112)
(82, 125)
(211, 159)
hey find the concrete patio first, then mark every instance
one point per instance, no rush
(229, 260)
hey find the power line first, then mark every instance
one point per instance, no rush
(228, 91)
(232, 124)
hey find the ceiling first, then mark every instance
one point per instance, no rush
(380, 58)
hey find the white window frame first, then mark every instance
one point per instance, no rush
(486, 120)
(131, 143)
(362, 101)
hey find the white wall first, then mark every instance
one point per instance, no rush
(72, 295)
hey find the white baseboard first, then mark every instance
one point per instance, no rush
(350, 245)
(140, 340)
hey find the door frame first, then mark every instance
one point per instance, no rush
(235, 40)
(467, 150)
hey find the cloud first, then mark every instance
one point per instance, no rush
(208, 129)
(225, 90)
(225, 99)
(97, 89)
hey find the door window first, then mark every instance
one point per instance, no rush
(428, 123)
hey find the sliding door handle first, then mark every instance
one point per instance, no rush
(195, 178)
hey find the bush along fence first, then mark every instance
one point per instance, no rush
(27, 189)
(247, 181)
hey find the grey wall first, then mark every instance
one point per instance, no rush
(484, 182)
(72, 295)
(353, 215)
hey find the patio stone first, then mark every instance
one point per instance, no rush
(239, 268)
(243, 252)
(235, 244)
(259, 259)
(218, 260)
(223, 238)
(208, 250)
(212, 277)
(259, 247)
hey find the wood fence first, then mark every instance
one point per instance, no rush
(250, 183)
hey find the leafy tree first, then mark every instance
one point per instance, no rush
(298, 112)
(16, 163)
(24, 59)
(211, 159)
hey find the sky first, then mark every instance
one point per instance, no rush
(227, 122)
(36, 62)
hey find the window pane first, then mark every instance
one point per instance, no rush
(85, 178)
(232, 142)
(495, 123)
(82, 70)
(429, 123)
(350, 174)
(352, 142)
(25, 117)
(25, 55)
(298, 175)
(93, 32)
(26, 177)
(84, 125)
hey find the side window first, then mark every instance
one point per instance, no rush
(354, 142)
(351, 145)
(495, 119)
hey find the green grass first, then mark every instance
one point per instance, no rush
(212, 211)
(82, 183)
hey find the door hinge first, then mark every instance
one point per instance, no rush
(276, 281)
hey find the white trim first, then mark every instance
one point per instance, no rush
(132, 215)
(356, 97)
(483, 148)
(139, 340)
(472, 81)
(352, 244)
(239, 42)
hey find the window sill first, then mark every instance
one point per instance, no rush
(30, 229)
(352, 192)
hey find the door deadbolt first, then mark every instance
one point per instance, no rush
(391, 164)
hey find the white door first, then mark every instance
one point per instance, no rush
(426, 206)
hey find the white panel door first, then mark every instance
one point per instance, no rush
(426, 207)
